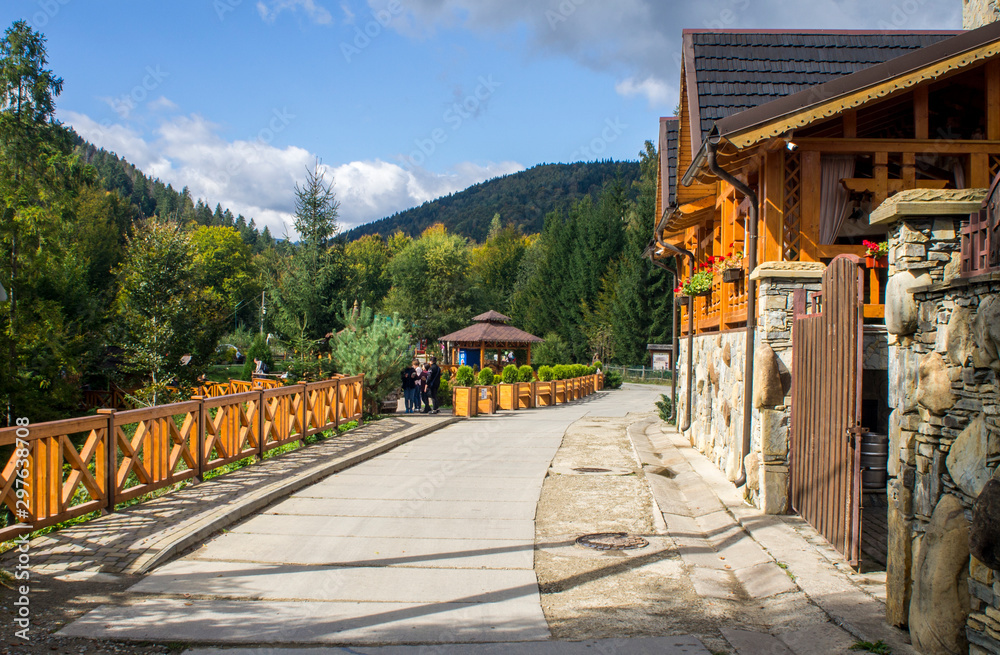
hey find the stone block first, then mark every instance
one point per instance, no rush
(774, 490)
(939, 605)
(984, 540)
(986, 332)
(894, 445)
(953, 268)
(900, 306)
(767, 389)
(934, 387)
(899, 557)
(910, 235)
(773, 433)
(966, 460)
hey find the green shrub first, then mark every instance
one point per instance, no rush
(550, 351)
(486, 377)
(258, 350)
(525, 374)
(546, 374)
(464, 377)
(612, 380)
(444, 392)
(597, 364)
(509, 374)
(664, 404)
(560, 372)
(591, 370)
(579, 370)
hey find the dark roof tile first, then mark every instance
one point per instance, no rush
(738, 70)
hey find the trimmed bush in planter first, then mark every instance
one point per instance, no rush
(525, 374)
(465, 376)
(509, 374)
(486, 377)
(546, 374)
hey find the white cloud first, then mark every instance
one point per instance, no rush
(257, 179)
(269, 10)
(639, 41)
(163, 104)
(657, 92)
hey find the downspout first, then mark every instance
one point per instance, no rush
(679, 252)
(751, 247)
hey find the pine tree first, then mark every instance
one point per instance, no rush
(316, 210)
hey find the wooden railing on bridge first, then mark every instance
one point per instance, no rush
(118, 398)
(80, 465)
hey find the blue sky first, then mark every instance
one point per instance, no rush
(401, 100)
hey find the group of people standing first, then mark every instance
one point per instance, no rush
(420, 386)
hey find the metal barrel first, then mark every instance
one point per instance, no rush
(874, 461)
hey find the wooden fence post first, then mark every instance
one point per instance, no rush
(111, 455)
(336, 405)
(260, 425)
(303, 401)
(201, 455)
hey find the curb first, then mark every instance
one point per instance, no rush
(181, 537)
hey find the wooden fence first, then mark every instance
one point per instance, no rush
(118, 398)
(80, 465)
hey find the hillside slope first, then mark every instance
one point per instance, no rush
(522, 199)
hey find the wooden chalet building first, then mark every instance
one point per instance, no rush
(784, 145)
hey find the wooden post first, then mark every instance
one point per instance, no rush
(881, 178)
(111, 446)
(261, 439)
(200, 453)
(993, 100)
(909, 170)
(810, 205)
(921, 113)
(774, 208)
(979, 174)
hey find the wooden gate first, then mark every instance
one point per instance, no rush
(826, 406)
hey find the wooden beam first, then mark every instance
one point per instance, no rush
(851, 124)
(993, 100)
(979, 171)
(918, 146)
(910, 170)
(881, 178)
(921, 112)
(811, 203)
(773, 209)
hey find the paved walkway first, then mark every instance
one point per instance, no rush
(433, 543)
(142, 536)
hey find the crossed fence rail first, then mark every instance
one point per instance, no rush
(80, 465)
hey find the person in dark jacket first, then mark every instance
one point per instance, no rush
(423, 375)
(409, 379)
(434, 383)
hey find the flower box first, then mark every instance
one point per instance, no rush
(706, 293)
(732, 275)
(507, 398)
(463, 401)
(560, 391)
(525, 393)
(545, 394)
(877, 262)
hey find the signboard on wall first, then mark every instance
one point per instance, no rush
(484, 394)
(661, 362)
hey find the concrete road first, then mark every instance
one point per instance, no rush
(429, 543)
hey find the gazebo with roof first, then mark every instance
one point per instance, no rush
(489, 332)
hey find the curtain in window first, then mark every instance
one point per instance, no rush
(834, 198)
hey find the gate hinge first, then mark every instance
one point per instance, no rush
(853, 432)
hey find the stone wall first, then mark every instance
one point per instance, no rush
(976, 13)
(944, 432)
(772, 384)
(717, 397)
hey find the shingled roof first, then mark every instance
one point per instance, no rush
(735, 70)
(668, 158)
(490, 327)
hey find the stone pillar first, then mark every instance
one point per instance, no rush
(777, 282)
(976, 13)
(944, 430)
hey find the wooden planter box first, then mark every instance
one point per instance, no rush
(545, 394)
(507, 396)
(525, 393)
(877, 262)
(560, 391)
(486, 399)
(463, 401)
(600, 380)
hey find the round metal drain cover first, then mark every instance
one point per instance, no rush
(611, 541)
(591, 469)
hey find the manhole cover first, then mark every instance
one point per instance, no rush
(591, 469)
(611, 541)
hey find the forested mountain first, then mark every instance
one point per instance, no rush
(522, 199)
(151, 197)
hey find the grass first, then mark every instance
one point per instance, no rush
(784, 567)
(879, 647)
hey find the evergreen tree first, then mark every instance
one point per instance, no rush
(316, 210)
